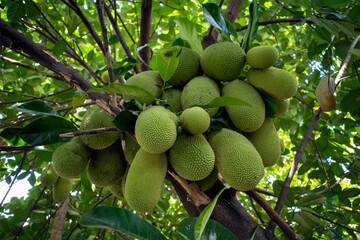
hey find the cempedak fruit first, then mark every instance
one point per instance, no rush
(97, 118)
(245, 118)
(62, 189)
(262, 56)
(236, 159)
(131, 148)
(223, 61)
(117, 189)
(48, 175)
(276, 82)
(145, 180)
(283, 106)
(173, 99)
(195, 120)
(208, 182)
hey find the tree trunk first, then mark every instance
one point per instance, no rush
(59, 221)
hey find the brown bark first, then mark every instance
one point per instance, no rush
(145, 31)
(59, 221)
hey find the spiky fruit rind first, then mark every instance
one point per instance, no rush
(276, 82)
(48, 175)
(192, 156)
(173, 96)
(223, 61)
(116, 189)
(200, 91)
(208, 182)
(145, 180)
(155, 130)
(283, 106)
(61, 189)
(187, 69)
(97, 118)
(245, 118)
(130, 148)
(237, 160)
(195, 120)
(262, 56)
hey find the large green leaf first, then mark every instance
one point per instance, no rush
(36, 107)
(188, 33)
(165, 62)
(11, 136)
(121, 220)
(313, 199)
(252, 29)
(224, 101)
(125, 121)
(16, 11)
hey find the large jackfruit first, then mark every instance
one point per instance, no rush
(48, 175)
(245, 118)
(61, 189)
(195, 120)
(276, 82)
(266, 142)
(262, 56)
(145, 180)
(223, 61)
(131, 148)
(237, 160)
(97, 118)
(173, 96)
(192, 156)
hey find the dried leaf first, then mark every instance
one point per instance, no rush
(324, 94)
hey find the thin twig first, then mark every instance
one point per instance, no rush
(89, 132)
(256, 212)
(322, 162)
(265, 192)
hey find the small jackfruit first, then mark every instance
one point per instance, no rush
(192, 156)
(245, 118)
(276, 82)
(173, 99)
(48, 175)
(208, 182)
(237, 160)
(195, 120)
(283, 106)
(200, 91)
(116, 189)
(262, 56)
(61, 189)
(187, 69)
(131, 148)
(105, 77)
(223, 61)
(155, 130)
(97, 118)
(145, 180)
(149, 81)
(266, 142)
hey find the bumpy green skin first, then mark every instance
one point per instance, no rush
(145, 180)
(49, 176)
(62, 189)
(106, 166)
(199, 91)
(245, 118)
(148, 80)
(237, 160)
(266, 142)
(155, 130)
(98, 118)
(71, 158)
(283, 106)
(195, 120)
(223, 61)
(262, 56)
(188, 68)
(117, 189)
(131, 148)
(276, 82)
(208, 182)
(192, 156)
(173, 99)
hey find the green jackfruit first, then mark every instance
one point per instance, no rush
(71, 158)
(195, 120)
(188, 68)
(237, 160)
(276, 82)
(173, 99)
(148, 80)
(266, 142)
(97, 118)
(282, 146)
(245, 118)
(200, 91)
(48, 175)
(208, 182)
(61, 189)
(116, 189)
(106, 166)
(283, 106)
(131, 148)
(192, 156)
(145, 180)
(155, 130)
(223, 61)
(262, 56)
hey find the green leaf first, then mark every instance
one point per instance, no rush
(335, 234)
(125, 121)
(313, 199)
(252, 233)
(224, 101)
(165, 62)
(252, 27)
(16, 11)
(11, 136)
(188, 33)
(36, 107)
(113, 39)
(350, 192)
(59, 48)
(78, 100)
(355, 51)
(332, 3)
(180, 42)
(46, 130)
(121, 220)
(205, 216)
(120, 68)
(270, 104)
(31, 11)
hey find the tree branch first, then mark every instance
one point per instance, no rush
(145, 31)
(59, 222)
(89, 132)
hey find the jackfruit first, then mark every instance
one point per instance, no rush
(131, 148)
(262, 56)
(208, 182)
(71, 158)
(173, 99)
(200, 91)
(48, 175)
(116, 189)
(223, 61)
(245, 118)
(236, 159)
(192, 156)
(283, 106)
(61, 189)
(187, 69)
(195, 120)
(149, 81)
(155, 130)
(97, 118)
(266, 142)
(105, 77)
(282, 146)
(276, 82)
(106, 166)
(145, 180)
